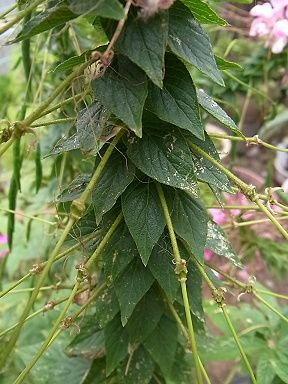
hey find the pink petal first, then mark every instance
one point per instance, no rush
(279, 44)
(259, 28)
(3, 239)
(280, 28)
(207, 254)
(218, 215)
(265, 10)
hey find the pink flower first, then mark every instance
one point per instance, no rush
(218, 215)
(207, 254)
(271, 21)
(3, 240)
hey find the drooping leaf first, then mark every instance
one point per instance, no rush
(205, 170)
(162, 344)
(65, 145)
(188, 40)
(140, 369)
(218, 243)
(144, 217)
(50, 18)
(280, 368)
(176, 103)
(225, 64)
(116, 343)
(189, 219)
(165, 157)
(145, 317)
(72, 370)
(74, 189)
(210, 106)
(97, 372)
(144, 42)
(117, 175)
(265, 373)
(89, 342)
(203, 13)
(162, 268)
(91, 128)
(118, 253)
(106, 307)
(123, 92)
(111, 9)
(70, 63)
(181, 371)
(131, 286)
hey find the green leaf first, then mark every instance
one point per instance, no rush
(144, 42)
(218, 243)
(117, 175)
(265, 373)
(280, 368)
(65, 145)
(106, 307)
(144, 217)
(131, 286)
(70, 63)
(123, 92)
(111, 9)
(223, 64)
(162, 268)
(91, 128)
(97, 372)
(46, 20)
(74, 189)
(118, 253)
(162, 344)
(89, 343)
(205, 170)
(140, 368)
(177, 102)
(188, 40)
(72, 370)
(165, 157)
(210, 106)
(189, 219)
(145, 317)
(194, 290)
(203, 13)
(116, 343)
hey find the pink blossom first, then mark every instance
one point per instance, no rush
(207, 254)
(271, 21)
(3, 240)
(218, 215)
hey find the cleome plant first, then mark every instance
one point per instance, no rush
(117, 120)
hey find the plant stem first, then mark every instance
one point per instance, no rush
(41, 265)
(53, 333)
(221, 304)
(270, 307)
(56, 121)
(5, 146)
(79, 207)
(28, 216)
(237, 341)
(248, 140)
(20, 16)
(182, 278)
(247, 190)
(186, 335)
(8, 11)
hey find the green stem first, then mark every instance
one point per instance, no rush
(28, 216)
(56, 121)
(54, 331)
(5, 146)
(182, 279)
(270, 307)
(237, 341)
(248, 140)
(274, 294)
(79, 206)
(245, 188)
(62, 254)
(49, 338)
(20, 16)
(2, 15)
(223, 308)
